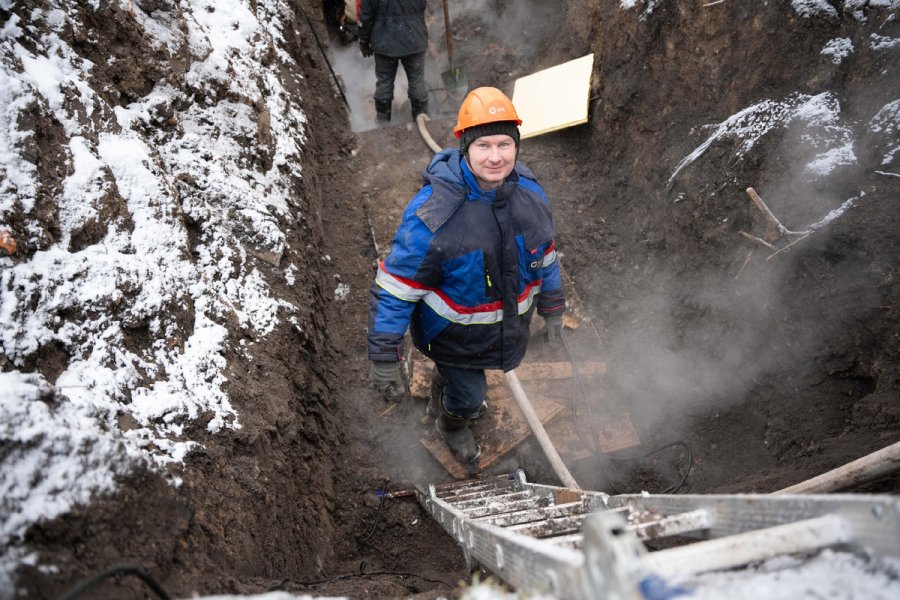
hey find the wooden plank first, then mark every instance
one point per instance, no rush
(420, 381)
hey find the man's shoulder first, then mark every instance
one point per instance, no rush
(441, 202)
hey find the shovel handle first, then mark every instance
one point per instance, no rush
(449, 31)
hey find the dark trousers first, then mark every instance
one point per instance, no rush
(464, 390)
(386, 72)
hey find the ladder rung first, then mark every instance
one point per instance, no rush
(510, 507)
(498, 498)
(450, 493)
(550, 527)
(670, 525)
(537, 514)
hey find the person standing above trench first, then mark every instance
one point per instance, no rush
(395, 32)
(472, 259)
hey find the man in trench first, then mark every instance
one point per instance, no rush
(473, 258)
(395, 32)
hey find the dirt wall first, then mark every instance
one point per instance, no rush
(799, 348)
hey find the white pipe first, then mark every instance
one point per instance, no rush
(853, 474)
(512, 380)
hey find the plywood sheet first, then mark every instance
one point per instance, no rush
(554, 98)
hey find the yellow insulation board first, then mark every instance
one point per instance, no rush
(554, 98)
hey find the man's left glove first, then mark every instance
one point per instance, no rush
(553, 324)
(365, 48)
(387, 381)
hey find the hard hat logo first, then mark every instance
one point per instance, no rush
(485, 105)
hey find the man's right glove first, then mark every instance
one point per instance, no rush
(387, 381)
(365, 48)
(553, 323)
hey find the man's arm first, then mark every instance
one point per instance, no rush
(368, 10)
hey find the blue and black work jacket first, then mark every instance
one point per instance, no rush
(466, 270)
(393, 28)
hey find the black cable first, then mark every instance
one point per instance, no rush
(325, 56)
(378, 514)
(690, 461)
(91, 582)
(579, 387)
(365, 541)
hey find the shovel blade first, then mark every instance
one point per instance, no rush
(455, 82)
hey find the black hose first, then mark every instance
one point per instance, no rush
(593, 448)
(325, 56)
(91, 582)
(380, 510)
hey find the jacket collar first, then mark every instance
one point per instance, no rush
(451, 167)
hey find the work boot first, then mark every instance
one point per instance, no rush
(459, 437)
(383, 111)
(418, 108)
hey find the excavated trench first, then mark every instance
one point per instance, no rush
(769, 370)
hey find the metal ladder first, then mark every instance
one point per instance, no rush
(575, 544)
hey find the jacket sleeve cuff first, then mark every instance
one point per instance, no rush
(552, 302)
(385, 347)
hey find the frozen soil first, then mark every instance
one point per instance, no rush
(771, 372)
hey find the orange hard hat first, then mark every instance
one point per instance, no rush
(484, 105)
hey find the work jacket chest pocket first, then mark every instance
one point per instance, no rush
(534, 257)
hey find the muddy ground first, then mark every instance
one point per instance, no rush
(770, 372)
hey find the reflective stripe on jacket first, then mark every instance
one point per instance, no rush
(466, 269)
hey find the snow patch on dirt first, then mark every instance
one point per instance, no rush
(134, 316)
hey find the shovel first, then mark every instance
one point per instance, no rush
(454, 78)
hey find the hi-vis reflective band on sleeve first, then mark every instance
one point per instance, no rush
(405, 289)
(439, 302)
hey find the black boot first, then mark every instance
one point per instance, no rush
(418, 108)
(383, 111)
(460, 439)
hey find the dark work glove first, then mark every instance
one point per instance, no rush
(365, 48)
(553, 323)
(387, 381)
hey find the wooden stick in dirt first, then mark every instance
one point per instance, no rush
(757, 240)
(774, 229)
(746, 262)
(800, 239)
(853, 474)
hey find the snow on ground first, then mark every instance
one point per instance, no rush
(826, 575)
(818, 118)
(824, 8)
(838, 49)
(817, 126)
(63, 441)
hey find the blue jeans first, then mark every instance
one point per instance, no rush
(464, 390)
(386, 72)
